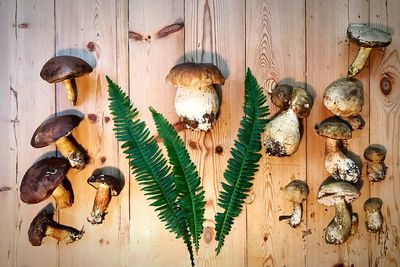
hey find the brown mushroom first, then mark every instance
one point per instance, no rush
(301, 102)
(374, 221)
(196, 101)
(43, 225)
(281, 96)
(296, 192)
(45, 178)
(56, 130)
(376, 168)
(106, 186)
(65, 69)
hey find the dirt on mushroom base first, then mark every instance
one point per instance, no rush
(208, 119)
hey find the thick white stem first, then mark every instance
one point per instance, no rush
(339, 229)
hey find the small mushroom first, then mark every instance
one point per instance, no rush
(45, 178)
(367, 38)
(301, 102)
(56, 130)
(281, 96)
(106, 186)
(337, 163)
(196, 101)
(296, 192)
(338, 194)
(376, 168)
(65, 69)
(43, 225)
(372, 207)
(355, 122)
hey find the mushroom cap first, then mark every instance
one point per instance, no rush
(194, 75)
(365, 36)
(330, 191)
(373, 204)
(37, 229)
(344, 97)
(281, 96)
(61, 68)
(53, 129)
(375, 153)
(301, 102)
(113, 183)
(42, 178)
(334, 128)
(296, 191)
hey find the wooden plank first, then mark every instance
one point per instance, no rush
(215, 32)
(93, 37)
(274, 59)
(385, 130)
(150, 60)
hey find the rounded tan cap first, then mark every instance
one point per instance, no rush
(334, 128)
(329, 192)
(296, 191)
(366, 36)
(373, 204)
(375, 153)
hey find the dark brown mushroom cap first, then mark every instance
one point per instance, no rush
(62, 68)
(375, 153)
(334, 128)
(301, 102)
(330, 192)
(281, 96)
(42, 178)
(195, 75)
(53, 129)
(113, 183)
(365, 36)
(37, 229)
(296, 191)
(373, 204)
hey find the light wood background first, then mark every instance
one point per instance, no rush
(298, 41)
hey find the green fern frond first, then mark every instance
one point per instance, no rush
(243, 163)
(186, 178)
(147, 163)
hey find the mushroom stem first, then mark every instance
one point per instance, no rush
(63, 196)
(70, 91)
(62, 233)
(295, 218)
(101, 201)
(374, 221)
(376, 171)
(71, 152)
(339, 229)
(359, 62)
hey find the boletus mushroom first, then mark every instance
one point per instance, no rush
(106, 186)
(367, 38)
(376, 168)
(296, 192)
(337, 163)
(196, 101)
(45, 178)
(338, 194)
(56, 130)
(281, 96)
(65, 69)
(374, 221)
(43, 225)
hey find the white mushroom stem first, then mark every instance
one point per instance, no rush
(71, 152)
(62, 233)
(374, 221)
(359, 62)
(63, 197)
(295, 218)
(339, 229)
(101, 201)
(338, 164)
(70, 91)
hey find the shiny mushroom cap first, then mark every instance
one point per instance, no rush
(62, 68)
(334, 128)
(373, 204)
(375, 153)
(195, 75)
(113, 183)
(281, 96)
(296, 191)
(42, 178)
(37, 229)
(53, 129)
(344, 97)
(301, 102)
(330, 191)
(365, 36)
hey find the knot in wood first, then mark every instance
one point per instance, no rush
(386, 85)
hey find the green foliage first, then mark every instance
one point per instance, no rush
(243, 163)
(187, 180)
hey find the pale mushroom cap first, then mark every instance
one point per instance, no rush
(373, 204)
(329, 192)
(344, 97)
(365, 36)
(296, 191)
(301, 102)
(375, 153)
(334, 128)
(281, 96)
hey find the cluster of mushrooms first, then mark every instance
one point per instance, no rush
(48, 176)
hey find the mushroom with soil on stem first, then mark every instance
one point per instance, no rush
(196, 101)
(65, 69)
(337, 163)
(56, 130)
(374, 221)
(367, 38)
(376, 169)
(338, 194)
(296, 192)
(282, 133)
(45, 178)
(106, 186)
(43, 225)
